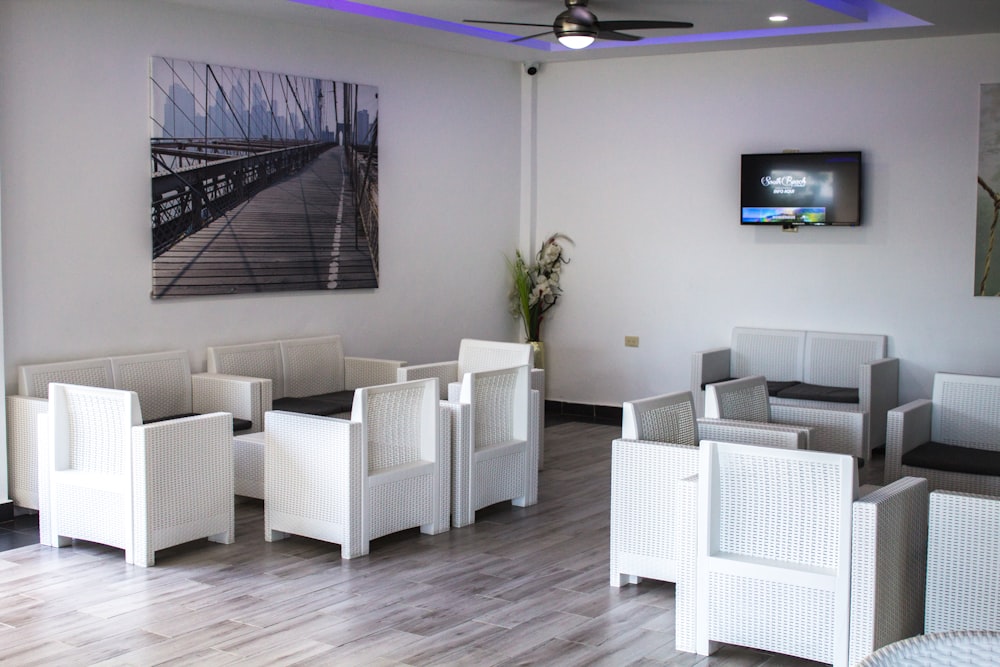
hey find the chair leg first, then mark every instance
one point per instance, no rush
(619, 579)
(354, 549)
(433, 528)
(274, 535)
(227, 537)
(51, 539)
(140, 555)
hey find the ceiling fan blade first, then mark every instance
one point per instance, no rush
(539, 34)
(602, 33)
(535, 25)
(643, 25)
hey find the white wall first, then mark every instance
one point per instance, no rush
(638, 161)
(74, 140)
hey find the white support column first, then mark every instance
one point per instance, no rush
(4, 486)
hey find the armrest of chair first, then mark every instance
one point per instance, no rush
(686, 589)
(878, 393)
(241, 396)
(907, 426)
(460, 420)
(183, 469)
(363, 372)
(22, 448)
(888, 565)
(445, 371)
(839, 431)
(708, 366)
(754, 433)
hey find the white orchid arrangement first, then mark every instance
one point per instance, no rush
(536, 286)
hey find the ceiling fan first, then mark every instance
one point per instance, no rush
(577, 27)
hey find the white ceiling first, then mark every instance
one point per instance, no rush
(718, 24)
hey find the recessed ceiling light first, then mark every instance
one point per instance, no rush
(778, 18)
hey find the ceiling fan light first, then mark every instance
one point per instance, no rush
(576, 41)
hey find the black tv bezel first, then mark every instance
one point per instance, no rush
(807, 154)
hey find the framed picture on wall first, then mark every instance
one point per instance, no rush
(988, 199)
(261, 182)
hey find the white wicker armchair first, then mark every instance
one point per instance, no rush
(495, 454)
(842, 432)
(953, 439)
(349, 482)
(485, 355)
(658, 447)
(963, 563)
(789, 561)
(105, 477)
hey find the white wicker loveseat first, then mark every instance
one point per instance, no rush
(833, 371)
(162, 380)
(306, 375)
(953, 439)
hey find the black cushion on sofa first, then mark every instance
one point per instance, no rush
(238, 424)
(343, 401)
(816, 392)
(775, 387)
(953, 458)
(306, 405)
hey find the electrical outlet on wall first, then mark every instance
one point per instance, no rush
(631, 341)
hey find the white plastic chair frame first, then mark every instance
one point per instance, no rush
(659, 447)
(105, 477)
(495, 453)
(349, 482)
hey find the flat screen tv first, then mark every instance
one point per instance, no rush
(792, 189)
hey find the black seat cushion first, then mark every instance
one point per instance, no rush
(238, 424)
(323, 405)
(953, 458)
(304, 404)
(775, 387)
(343, 401)
(816, 392)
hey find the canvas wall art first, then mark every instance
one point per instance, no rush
(261, 181)
(988, 198)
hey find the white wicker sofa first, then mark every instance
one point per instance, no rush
(834, 371)
(304, 375)
(162, 380)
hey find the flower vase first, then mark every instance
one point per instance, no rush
(539, 348)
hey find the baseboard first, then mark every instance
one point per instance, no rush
(7, 511)
(602, 414)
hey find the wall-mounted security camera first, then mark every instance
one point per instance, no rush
(531, 69)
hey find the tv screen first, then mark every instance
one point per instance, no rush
(793, 189)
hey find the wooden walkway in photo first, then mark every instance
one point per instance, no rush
(298, 234)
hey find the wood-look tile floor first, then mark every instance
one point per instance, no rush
(522, 586)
